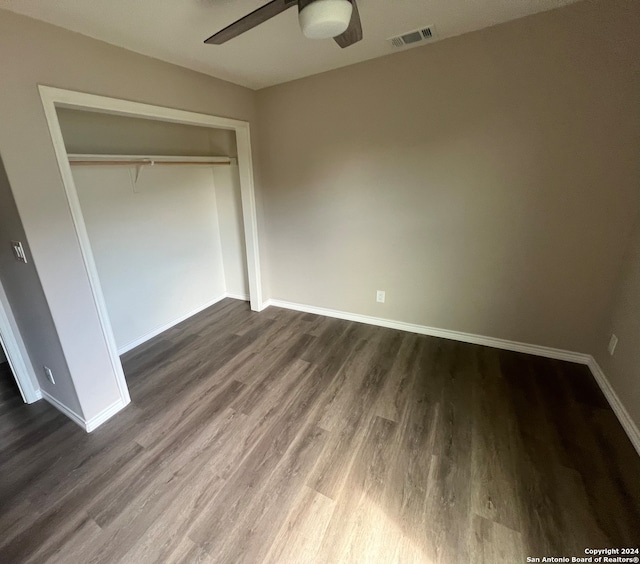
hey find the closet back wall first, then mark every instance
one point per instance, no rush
(157, 250)
(164, 242)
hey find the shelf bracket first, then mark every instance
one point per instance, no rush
(139, 168)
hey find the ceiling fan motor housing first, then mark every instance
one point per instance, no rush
(322, 19)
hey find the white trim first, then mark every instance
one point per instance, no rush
(614, 401)
(516, 346)
(57, 97)
(249, 214)
(10, 342)
(92, 423)
(77, 419)
(618, 408)
(151, 334)
(104, 415)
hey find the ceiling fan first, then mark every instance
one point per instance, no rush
(319, 19)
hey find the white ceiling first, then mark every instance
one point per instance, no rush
(274, 52)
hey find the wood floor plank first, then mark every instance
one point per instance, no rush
(284, 436)
(494, 436)
(49, 524)
(301, 533)
(414, 469)
(394, 396)
(166, 457)
(449, 486)
(539, 454)
(234, 505)
(364, 374)
(360, 527)
(163, 541)
(74, 549)
(495, 544)
(186, 552)
(228, 531)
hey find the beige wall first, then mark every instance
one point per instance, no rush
(487, 182)
(33, 53)
(623, 320)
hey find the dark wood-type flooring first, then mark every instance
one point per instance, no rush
(287, 437)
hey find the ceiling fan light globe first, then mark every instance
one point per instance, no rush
(323, 19)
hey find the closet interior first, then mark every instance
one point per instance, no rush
(162, 208)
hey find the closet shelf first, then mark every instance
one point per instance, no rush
(86, 159)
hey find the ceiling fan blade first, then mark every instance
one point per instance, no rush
(250, 21)
(353, 34)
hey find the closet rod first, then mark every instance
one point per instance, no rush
(150, 162)
(87, 160)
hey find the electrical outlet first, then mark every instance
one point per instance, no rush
(613, 343)
(380, 296)
(49, 374)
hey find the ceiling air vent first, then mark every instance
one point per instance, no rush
(415, 37)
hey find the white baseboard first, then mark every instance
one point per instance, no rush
(105, 414)
(516, 346)
(92, 423)
(559, 354)
(64, 409)
(151, 334)
(614, 401)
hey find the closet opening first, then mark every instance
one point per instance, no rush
(163, 204)
(162, 207)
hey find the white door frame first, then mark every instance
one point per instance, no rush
(10, 342)
(53, 98)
